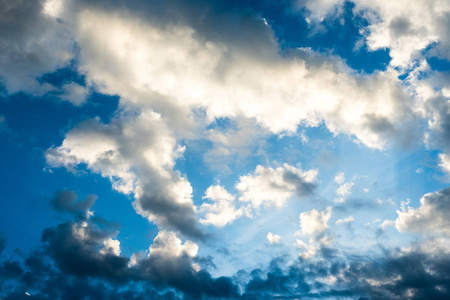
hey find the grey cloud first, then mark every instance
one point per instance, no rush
(392, 276)
(31, 44)
(137, 154)
(172, 215)
(69, 265)
(431, 218)
(67, 201)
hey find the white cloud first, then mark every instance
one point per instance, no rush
(430, 218)
(387, 223)
(182, 67)
(111, 246)
(309, 250)
(339, 178)
(222, 211)
(344, 191)
(268, 186)
(137, 257)
(137, 153)
(314, 222)
(31, 44)
(166, 245)
(74, 93)
(444, 162)
(349, 219)
(403, 28)
(273, 238)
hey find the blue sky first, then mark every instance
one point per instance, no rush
(224, 149)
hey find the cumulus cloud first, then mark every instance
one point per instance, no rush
(268, 186)
(314, 222)
(430, 218)
(74, 255)
(279, 93)
(111, 246)
(31, 44)
(137, 154)
(273, 238)
(72, 265)
(166, 245)
(390, 276)
(346, 220)
(444, 162)
(339, 178)
(74, 93)
(344, 191)
(402, 28)
(222, 211)
(67, 201)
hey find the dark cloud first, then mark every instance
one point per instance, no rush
(302, 186)
(2, 242)
(173, 215)
(70, 265)
(394, 276)
(73, 263)
(31, 44)
(67, 201)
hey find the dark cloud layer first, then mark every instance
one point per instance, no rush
(70, 264)
(67, 201)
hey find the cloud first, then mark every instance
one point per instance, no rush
(430, 218)
(402, 28)
(344, 191)
(177, 66)
(444, 162)
(339, 178)
(85, 254)
(71, 264)
(74, 93)
(111, 246)
(31, 44)
(222, 211)
(268, 186)
(67, 201)
(346, 220)
(390, 276)
(137, 155)
(314, 222)
(273, 238)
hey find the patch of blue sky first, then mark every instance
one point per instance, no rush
(30, 132)
(382, 180)
(340, 33)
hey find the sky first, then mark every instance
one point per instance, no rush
(293, 149)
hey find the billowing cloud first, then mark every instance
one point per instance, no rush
(137, 154)
(314, 222)
(222, 211)
(67, 201)
(268, 186)
(88, 249)
(345, 220)
(31, 44)
(444, 162)
(273, 238)
(74, 93)
(430, 218)
(402, 28)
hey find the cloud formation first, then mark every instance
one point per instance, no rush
(430, 218)
(268, 186)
